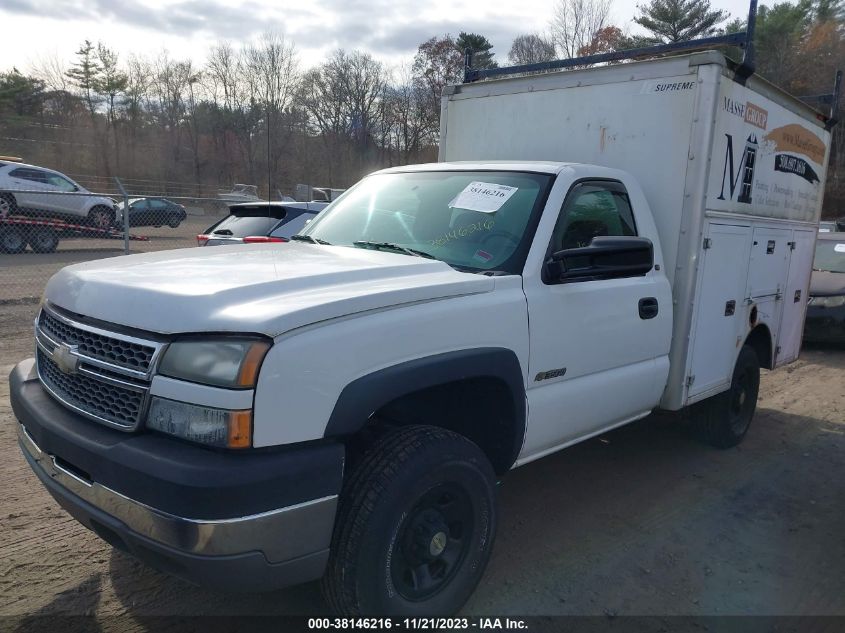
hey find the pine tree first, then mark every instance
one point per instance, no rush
(481, 48)
(84, 74)
(679, 20)
(829, 11)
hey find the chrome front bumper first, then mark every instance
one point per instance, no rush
(280, 535)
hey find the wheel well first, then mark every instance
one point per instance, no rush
(760, 340)
(481, 409)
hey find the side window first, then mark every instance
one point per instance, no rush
(158, 204)
(29, 174)
(60, 183)
(593, 209)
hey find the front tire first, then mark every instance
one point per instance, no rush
(415, 526)
(723, 420)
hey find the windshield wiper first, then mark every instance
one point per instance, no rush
(222, 232)
(307, 238)
(393, 247)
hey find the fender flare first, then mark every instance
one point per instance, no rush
(365, 395)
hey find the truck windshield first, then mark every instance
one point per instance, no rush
(475, 220)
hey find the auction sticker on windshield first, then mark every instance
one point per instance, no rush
(483, 196)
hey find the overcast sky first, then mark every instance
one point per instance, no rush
(389, 29)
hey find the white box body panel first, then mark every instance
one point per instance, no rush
(704, 148)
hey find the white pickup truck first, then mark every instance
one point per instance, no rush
(609, 241)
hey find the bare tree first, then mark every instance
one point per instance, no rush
(363, 79)
(111, 82)
(52, 70)
(272, 69)
(407, 109)
(139, 76)
(576, 22)
(531, 49)
(322, 96)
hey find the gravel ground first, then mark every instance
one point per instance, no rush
(642, 521)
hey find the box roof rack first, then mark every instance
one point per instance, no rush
(743, 40)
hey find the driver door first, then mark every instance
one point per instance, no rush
(598, 346)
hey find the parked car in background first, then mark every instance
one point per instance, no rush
(240, 193)
(32, 190)
(251, 222)
(826, 310)
(152, 212)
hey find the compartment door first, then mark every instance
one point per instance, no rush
(795, 296)
(719, 309)
(769, 262)
(767, 270)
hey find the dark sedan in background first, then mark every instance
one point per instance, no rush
(253, 222)
(152, 212)
(826, 309)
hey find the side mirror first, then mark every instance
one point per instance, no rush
(605, 257)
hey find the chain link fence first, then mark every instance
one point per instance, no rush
(48, 221)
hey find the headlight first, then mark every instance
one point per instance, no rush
(224, 362)
(828, 302)
(213, 427)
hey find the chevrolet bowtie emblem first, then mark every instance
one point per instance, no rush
(65, 360)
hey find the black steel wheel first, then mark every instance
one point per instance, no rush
(723, 420)
(415, 526)
(433, 542)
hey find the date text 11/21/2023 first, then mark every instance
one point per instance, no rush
(418, 624)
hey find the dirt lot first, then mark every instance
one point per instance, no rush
(643, 521)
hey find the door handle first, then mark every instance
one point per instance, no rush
(648, 307)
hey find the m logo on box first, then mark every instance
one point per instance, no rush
(744, 175)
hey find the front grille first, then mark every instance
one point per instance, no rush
(101, 374)
(98, 346)
(109, 402)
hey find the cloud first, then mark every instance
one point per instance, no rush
(385, 28)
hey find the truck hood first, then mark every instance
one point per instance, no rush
(262, 288)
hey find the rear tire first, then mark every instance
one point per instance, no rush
(101, 217)
(723, 420)
(174, 223)
(12, 240)
(415, 526)
(43, 241)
